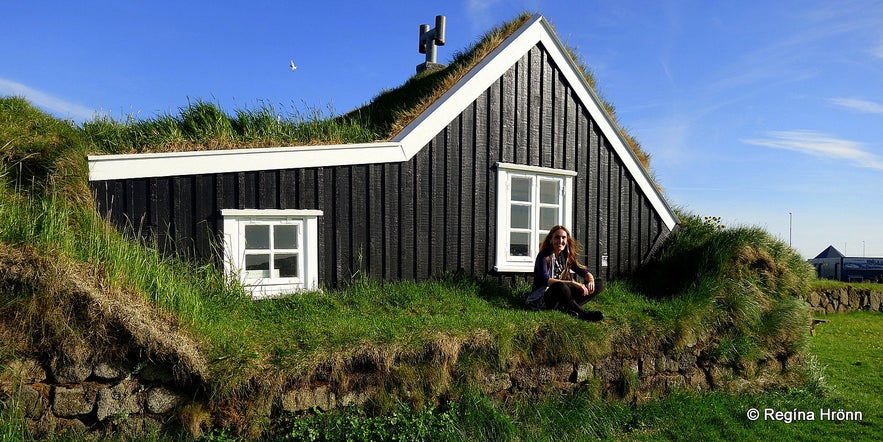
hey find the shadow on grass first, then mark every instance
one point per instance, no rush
(502, 292)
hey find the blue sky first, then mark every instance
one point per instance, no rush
(766, 113)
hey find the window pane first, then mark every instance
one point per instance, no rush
(257, 237)
(285, 237)
(520, 217)
(257, 265)
(549, 191)
(519, 244)
(521, 189)
(548, 218)
(286, 265)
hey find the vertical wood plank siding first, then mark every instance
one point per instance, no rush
(432, 214)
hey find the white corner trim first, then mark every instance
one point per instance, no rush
(535, 169)
(145, 165)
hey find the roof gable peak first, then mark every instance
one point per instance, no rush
(829, 252)
(536, 31)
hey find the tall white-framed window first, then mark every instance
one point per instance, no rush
(530, 200)
(272, 251)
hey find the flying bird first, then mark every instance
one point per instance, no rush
(293, 67)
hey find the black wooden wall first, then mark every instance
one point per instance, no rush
(434, 213)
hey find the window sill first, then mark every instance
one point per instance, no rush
(270, 290)
(514, 268)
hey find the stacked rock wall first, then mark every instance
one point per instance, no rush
(847, 299)
(82, 398)
(126, 400)
(134, 397)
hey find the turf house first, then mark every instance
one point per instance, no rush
(515, 142)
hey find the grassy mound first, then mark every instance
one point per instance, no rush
(72, 287)
(55, 307)
(740, 285)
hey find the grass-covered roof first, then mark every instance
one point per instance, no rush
(201, 125)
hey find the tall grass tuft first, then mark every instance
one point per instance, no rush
(260, 124)
(12, 421)
(203, 122)
(58, 225)
(203, 125)
(47, 205)
(752, 282)
(31, 142)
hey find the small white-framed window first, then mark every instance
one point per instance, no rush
(530, 200)
(272, 251)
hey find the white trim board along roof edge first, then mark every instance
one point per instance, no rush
(145, 165)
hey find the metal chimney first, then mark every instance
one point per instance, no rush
(429, 39)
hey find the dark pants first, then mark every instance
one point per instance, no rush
(570, 299)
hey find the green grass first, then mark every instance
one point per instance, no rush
(851, 348)
(410, 332)
(203, 125)
(297, 333)
(56, 225)
(845, 376)
(830, 284)
(403, 325)
(848, 355)
(734, 290)
(12, 421)
(32, 143)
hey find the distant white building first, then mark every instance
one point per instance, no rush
(831, 264)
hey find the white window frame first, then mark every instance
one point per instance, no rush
(505, 172)
(235, 221)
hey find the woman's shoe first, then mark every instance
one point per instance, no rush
(591, 315)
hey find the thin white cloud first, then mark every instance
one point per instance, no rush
(795, 56)
(878, 51)
(858, 104)
(819, 144)
(55, 105)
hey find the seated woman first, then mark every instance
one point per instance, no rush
(553, 285)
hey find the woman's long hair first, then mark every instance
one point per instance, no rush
(573, 247)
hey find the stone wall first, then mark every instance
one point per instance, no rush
(83, 398)
(131, 398)
(844, 300)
